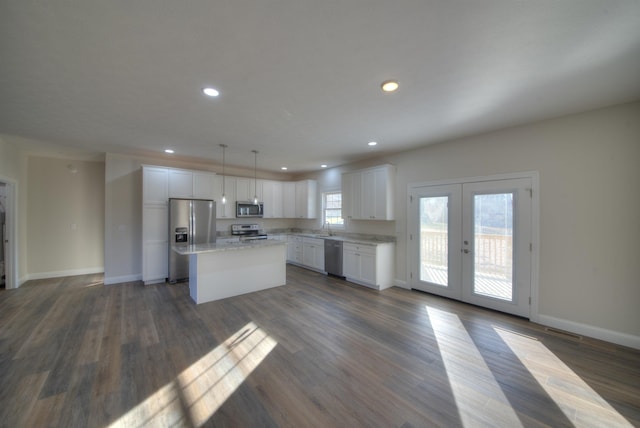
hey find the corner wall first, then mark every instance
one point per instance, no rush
(65, 217)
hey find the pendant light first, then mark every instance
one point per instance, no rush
(224, 195)
(255, 177)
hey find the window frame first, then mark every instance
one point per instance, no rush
(324, 209)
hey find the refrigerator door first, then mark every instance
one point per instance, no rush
(179, 235)
(203, 222)
(191, 222)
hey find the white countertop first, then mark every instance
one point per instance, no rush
(230, 246)
(348, 239)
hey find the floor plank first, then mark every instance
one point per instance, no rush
(317, 351)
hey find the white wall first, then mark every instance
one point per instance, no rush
(589, 166)
(65, 217)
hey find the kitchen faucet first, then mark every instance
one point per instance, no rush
(329, 228)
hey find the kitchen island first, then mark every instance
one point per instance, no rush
(218, 271)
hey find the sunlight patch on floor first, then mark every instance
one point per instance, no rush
(483, 403)
(196, 393)
(577, 400)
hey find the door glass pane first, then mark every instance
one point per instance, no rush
(434, 240)
(493, 245)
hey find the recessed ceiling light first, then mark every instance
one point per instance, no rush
(323, 166)
(211, 92)
(284, 168)
(372, 143)
(169, 151)
(389, 86)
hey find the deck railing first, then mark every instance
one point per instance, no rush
(493, 253)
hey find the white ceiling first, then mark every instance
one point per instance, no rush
(299, 79)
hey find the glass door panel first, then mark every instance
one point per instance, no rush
(493, 245)
(434, 240)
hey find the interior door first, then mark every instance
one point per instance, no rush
(472, 242)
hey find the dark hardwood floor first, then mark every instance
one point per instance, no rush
(315, 352)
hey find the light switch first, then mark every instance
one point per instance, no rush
(73, 226)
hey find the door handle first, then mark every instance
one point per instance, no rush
(466, 251)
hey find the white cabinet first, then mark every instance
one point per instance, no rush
(228, 184)
(369, 265)
(294, 249)
(155, 218)
(155, 185)
(203, 186)
(299, 199)
(350, 198)
(272, 198)
(180, 183)
(289, 199)
(306, 191)
(313, 253)
(247, 188)
(368, 194)
(378, 186)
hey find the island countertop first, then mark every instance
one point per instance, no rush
(230, 246)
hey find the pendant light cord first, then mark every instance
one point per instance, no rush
(255, 176)
(224, 178)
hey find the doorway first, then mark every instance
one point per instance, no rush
(8, 259)
(472, 240)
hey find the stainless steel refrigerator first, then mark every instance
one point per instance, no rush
(191, 222)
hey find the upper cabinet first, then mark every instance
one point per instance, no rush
(368, 194)
(299, 199)
(295, 199)
(247, 188)
(226, 185)
(289, 199)
(180, 183)
(273, 199)
(190, 184)
(203, 185)
(306, 198)
(155, 185)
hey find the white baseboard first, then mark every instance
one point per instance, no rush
(612, 336)
(123, 278)
(400, 283)
(61, 273)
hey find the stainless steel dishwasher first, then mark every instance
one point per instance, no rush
(333, 257)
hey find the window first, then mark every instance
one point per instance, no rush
(332, 208)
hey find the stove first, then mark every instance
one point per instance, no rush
(247, 232)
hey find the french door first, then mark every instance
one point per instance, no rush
(472, 242)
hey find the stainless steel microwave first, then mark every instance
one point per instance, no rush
(249, 209)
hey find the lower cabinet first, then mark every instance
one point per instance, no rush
(155, 244)
(313, 253)
(294, 249)
(306, 252)
(369, 265)
(156, 260)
